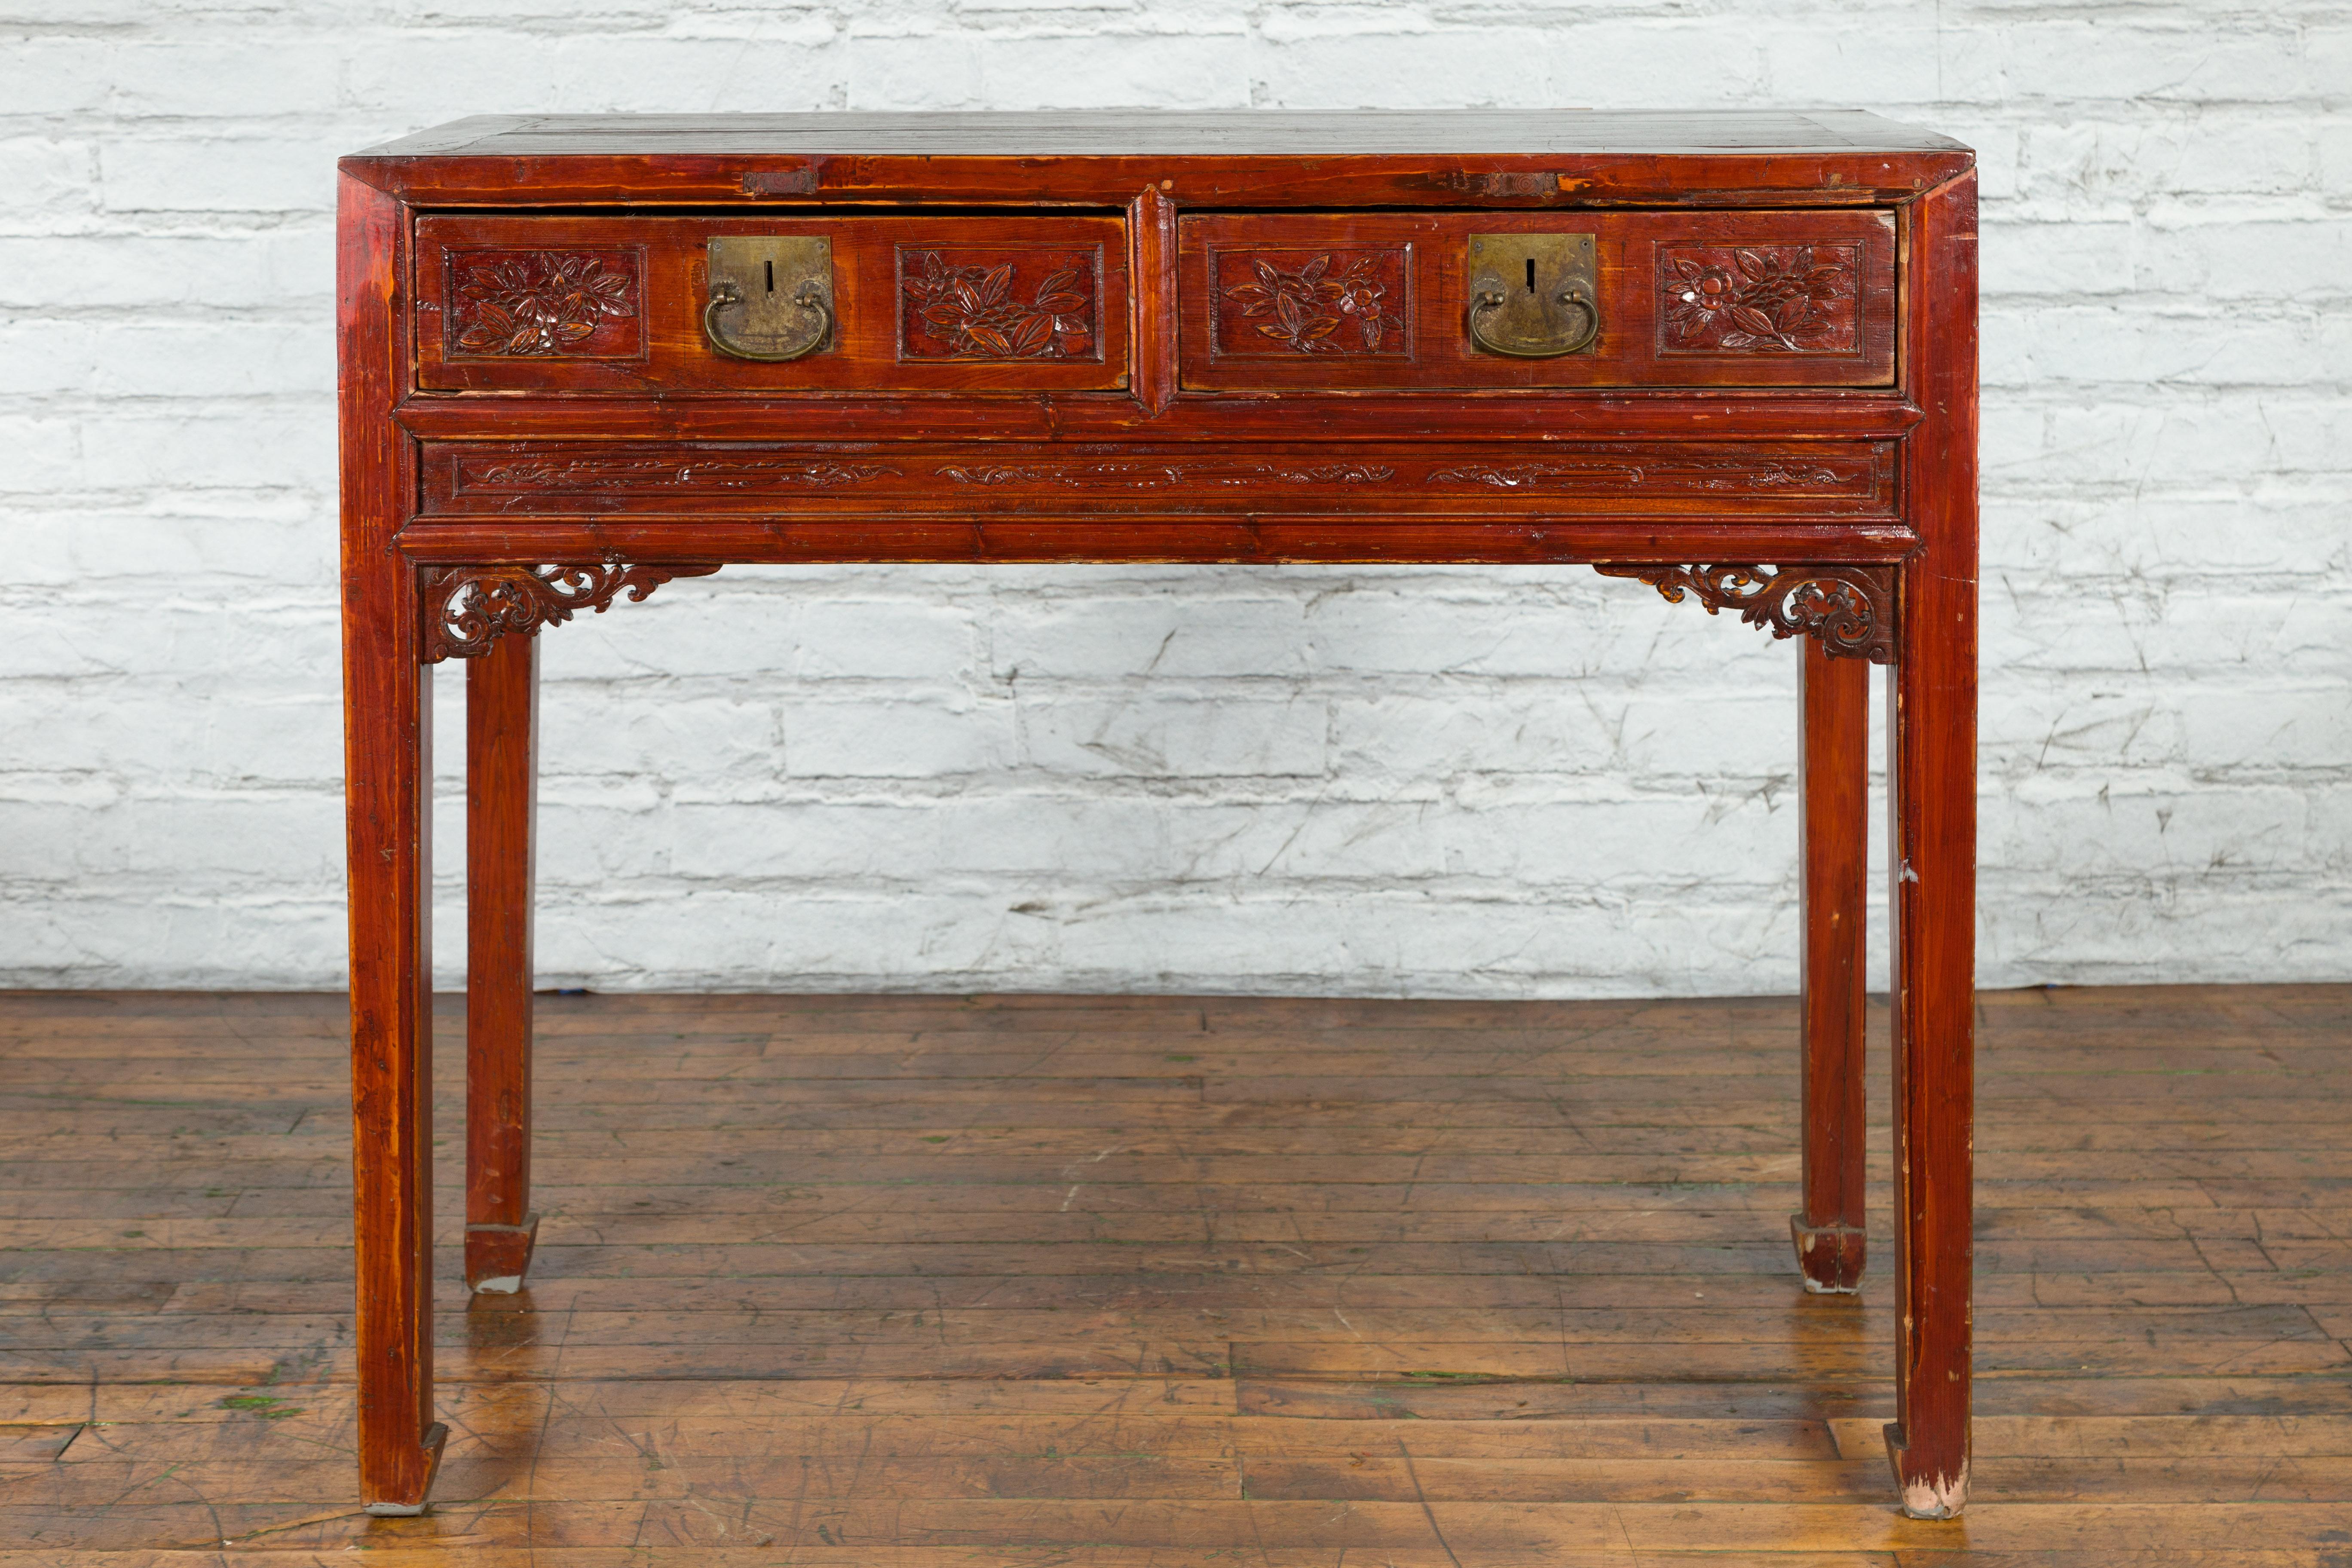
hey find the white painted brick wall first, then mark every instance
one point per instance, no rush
(1444, 782)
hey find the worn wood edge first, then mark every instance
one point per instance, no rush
(435, 1439)
(1243, 418)
(1830, 1257)
(1932, 844)
(499, 1255)
(1264, 538)
(1789, 178)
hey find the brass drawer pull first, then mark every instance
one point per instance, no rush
(770, 280)
(725, 294)
(1531, 295)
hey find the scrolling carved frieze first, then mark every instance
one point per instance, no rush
(467, 608)
(1162, 476)
(1853, 475)
(605, 475)
(1849, 609)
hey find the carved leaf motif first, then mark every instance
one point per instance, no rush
(1850, 610)
(978, 312)
(467, 608)
(1059, 294)
(537, 302)
(1304, 309)
(1760, 299)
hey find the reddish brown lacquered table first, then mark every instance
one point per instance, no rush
(1731, 355)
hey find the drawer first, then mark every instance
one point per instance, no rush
(1370, 300)
(1016, 304)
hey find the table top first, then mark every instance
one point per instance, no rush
(1169, 337)
(1154, 133)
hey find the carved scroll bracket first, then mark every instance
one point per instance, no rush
(467, 608)
(1850, 609)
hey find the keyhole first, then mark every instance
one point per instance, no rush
(772, 273)
(1531, 274)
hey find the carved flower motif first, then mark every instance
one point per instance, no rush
(540, 302)
(1775, 301)
(1306, 307)
(1708, 289)
(970, 309)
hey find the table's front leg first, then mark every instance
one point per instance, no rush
(1833, 852)
(1932, 859)
(1932, 863)
(388, 785)
(502, 783)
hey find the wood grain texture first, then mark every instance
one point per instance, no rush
(1152, 221)
(1162, 134)
(501, 813)
(1833, 856)
(1118, 1281)
(1814, 480)
(1076, 535)
(1531, 413)
(388, 773)
(1561, 158)
(1932, 860)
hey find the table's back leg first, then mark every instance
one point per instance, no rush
(1833, 848)
(1934, 869)
(388, 789)
(501, 788)
(1932, 725)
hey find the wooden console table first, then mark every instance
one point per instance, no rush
(1731, 355)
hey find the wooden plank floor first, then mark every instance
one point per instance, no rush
(913, 1282)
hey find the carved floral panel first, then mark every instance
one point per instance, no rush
(1760, 298)
(999, 303)
(1284, 303)
(573, 304)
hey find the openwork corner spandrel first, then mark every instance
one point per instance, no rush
(467, 608)
(1849, 609)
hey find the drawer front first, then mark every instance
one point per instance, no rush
(1367, 302)
(916, 304)
(508, 481)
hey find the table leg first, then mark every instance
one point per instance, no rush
(1932, 863)
(1932, 860)
(1833, 850)
(388, 783)
(501, 788)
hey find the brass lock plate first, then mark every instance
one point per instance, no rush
(1539, 277)
(769, 281)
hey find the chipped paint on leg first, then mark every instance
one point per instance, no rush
(1830, 1257)
(499, 1255)
(1937, 1497)
(1933, 1496)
